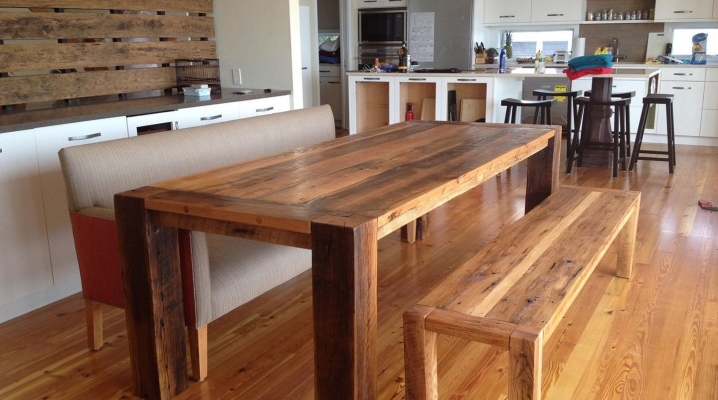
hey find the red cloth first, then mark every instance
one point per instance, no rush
(572, 75)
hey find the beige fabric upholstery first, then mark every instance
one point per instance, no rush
(227, 271)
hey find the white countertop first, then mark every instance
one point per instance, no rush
(639, 72)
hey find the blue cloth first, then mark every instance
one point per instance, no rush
(588, 62)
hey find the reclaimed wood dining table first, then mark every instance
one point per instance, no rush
(337, 198)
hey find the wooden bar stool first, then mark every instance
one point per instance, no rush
(670, 152)
(571, 111)
(617, 145)
(512, 106)
(623, 95)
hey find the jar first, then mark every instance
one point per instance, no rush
(639, 14)
(589, 16)
(609, 15)
(620, 16)
(604, 15)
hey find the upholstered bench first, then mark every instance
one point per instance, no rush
(514, 292)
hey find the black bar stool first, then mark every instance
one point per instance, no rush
(618, 143)
(670, 152)
(623, 95)
(571, 110)
(512, 106)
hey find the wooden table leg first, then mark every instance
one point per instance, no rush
(543, 172)
(344, 287)
(597, 126)
(417, 229)
(153, 299)
(525, 363)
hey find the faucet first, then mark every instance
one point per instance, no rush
(614, 45)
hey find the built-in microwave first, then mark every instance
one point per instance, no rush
(382, 26)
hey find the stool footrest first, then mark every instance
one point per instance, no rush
(654, 158)
(664, 152)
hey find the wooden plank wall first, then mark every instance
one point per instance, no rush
(65, 49)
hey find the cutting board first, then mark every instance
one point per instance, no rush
(657, 44)
(472, 110)
(428, 109)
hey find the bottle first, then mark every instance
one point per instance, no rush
(541, 63)
(403, 55)
(377, 65)
(409, 112)
(502, 61)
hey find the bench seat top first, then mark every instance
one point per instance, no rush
(531, 272)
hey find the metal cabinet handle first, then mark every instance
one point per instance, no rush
(372, 79)
(554, 15)
(370, 1)
(683, 12)
(466, 79)
(211, 118)
(84, 137)
(682, 74)
(264, 109)
(417, 79)
(507, 16)
(334, 82)
(321, 70)
(0, 149)
(176, 125)
(682, 87)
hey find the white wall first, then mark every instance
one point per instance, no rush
(261, 37)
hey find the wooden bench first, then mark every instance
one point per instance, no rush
(514, 292)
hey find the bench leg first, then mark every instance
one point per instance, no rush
(627, 245)
(93, 313)
(525, 359)
(198, 352)
(420, 355)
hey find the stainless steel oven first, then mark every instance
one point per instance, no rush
(381, 34)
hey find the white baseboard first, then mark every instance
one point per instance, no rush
(687, 140)
(37, 300)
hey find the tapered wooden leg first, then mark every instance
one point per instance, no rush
(344, 289)
(408, 231)
(420, 355)
(93, 312)
(198, 352)
(525, 359)
(152, 286)
(627, 245)
(543, 172)
(417, 229)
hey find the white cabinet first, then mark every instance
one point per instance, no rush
(24, 252)
(422, 93)
(473, 98)
(372, 102)
(330, 90)
(709, 116)
(507, 12)
(687, 107)
(205, 115)
(269, 105)
(557, 11)
(151, 123)
(672, 10)
(49, 141)
(381, 3)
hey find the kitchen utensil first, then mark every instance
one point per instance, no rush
(656, 44)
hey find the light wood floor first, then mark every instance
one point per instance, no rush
(652, 337)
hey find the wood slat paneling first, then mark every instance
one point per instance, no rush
(203, 6)
(78, 55)
(30, 89)
(35, 26)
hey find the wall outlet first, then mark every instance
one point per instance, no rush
(236, 76)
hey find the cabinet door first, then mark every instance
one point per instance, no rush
(667, 10)
(49, 141)
(269, 105)
(205, 115)
(687, 107)
(556, 11)
(507, 12)
(422, 93)
(25, 266)
(474, 99)
(330, 92)
(709, 123)
(371, 102)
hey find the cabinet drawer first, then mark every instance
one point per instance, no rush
(668, 10)
(271, 105)
(696, 74)
(205, 115)
(329, 70)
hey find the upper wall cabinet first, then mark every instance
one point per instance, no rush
(381, 3)
(557, 11)
(507, 12)
(668, 10)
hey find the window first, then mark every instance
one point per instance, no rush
(526, 44)
(683, 41)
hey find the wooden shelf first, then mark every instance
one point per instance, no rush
(624, 21)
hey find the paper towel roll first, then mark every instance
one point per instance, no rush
(579, 47)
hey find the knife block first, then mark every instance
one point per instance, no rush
(479, 59)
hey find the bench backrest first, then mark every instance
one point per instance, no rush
(95, 172)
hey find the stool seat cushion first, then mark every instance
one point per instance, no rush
(658, 98)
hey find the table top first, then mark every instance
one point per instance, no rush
(394, 175)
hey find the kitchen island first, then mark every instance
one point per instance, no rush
(379, 99)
